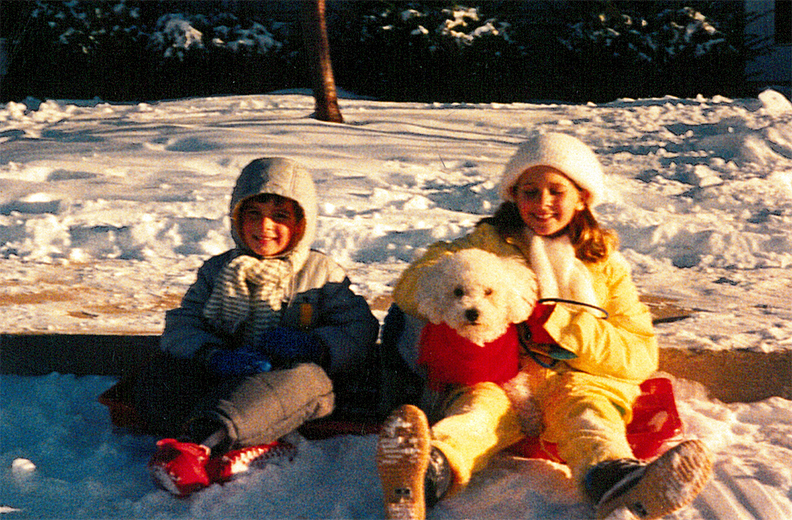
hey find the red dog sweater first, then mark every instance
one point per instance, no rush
(452, 359)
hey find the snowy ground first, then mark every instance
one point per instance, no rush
(106, 210)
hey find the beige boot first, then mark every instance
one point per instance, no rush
(402, 459)
(663, 486)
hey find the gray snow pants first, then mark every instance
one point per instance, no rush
(255, 409)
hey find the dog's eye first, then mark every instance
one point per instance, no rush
(458, 292)
(488, 292)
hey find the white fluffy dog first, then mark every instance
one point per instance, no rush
(477, 293)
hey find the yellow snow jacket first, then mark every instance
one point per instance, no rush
(614, 354)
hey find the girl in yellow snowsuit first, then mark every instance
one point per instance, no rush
(603, 347)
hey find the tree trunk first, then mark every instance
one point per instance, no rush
(321, 70)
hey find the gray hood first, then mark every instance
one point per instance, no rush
(277, 176)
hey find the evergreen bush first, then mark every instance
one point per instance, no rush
(504, 51)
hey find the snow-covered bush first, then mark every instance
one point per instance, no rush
(423, 51)
(677, 51)
(177, 34)
(433, 26)
(174, 36)
(87, 28)
(72, 49)
(671, 35)
(255, 39)
(128, 49)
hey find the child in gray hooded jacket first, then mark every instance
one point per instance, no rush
(254, 348)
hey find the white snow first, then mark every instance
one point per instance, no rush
(107, 210)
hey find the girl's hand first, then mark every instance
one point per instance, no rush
(534, 338)
(535, 324)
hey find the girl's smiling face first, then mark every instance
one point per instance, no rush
(547, 199)
(268, 227)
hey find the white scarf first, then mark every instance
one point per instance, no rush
(251, 290)
(559, 272)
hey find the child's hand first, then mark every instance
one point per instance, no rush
(535, 324)
(240, 362)
(535, 338)
(285, 345)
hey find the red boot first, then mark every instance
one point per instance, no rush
(180, 467)
(224, 467)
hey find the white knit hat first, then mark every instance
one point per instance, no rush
(565, 153)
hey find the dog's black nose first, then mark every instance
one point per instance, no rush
(472, 315)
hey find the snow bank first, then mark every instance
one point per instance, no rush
(106, 210)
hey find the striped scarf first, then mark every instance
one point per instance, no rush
(250, 292)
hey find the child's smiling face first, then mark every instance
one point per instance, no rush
(268, 227)
(547, 199)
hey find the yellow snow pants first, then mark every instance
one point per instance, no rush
(584, 415)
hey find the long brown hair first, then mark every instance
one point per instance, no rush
(592, 242)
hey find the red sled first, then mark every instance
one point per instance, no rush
(654, 428)
(122, 413)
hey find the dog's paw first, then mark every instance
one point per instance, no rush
(523, 402)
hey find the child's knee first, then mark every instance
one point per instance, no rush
(272, 404)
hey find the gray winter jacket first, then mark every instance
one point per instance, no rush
(319, 298)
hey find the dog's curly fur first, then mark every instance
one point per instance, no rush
(479, 294)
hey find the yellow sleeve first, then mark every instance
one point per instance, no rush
(624, 345)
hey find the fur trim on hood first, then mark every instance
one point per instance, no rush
(277, 176)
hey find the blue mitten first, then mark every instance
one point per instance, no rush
(240, 362)
(286, 345)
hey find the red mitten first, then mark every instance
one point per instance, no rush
(541, 313)
(536, 339)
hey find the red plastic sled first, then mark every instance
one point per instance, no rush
(654, 428)
(122, 414)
